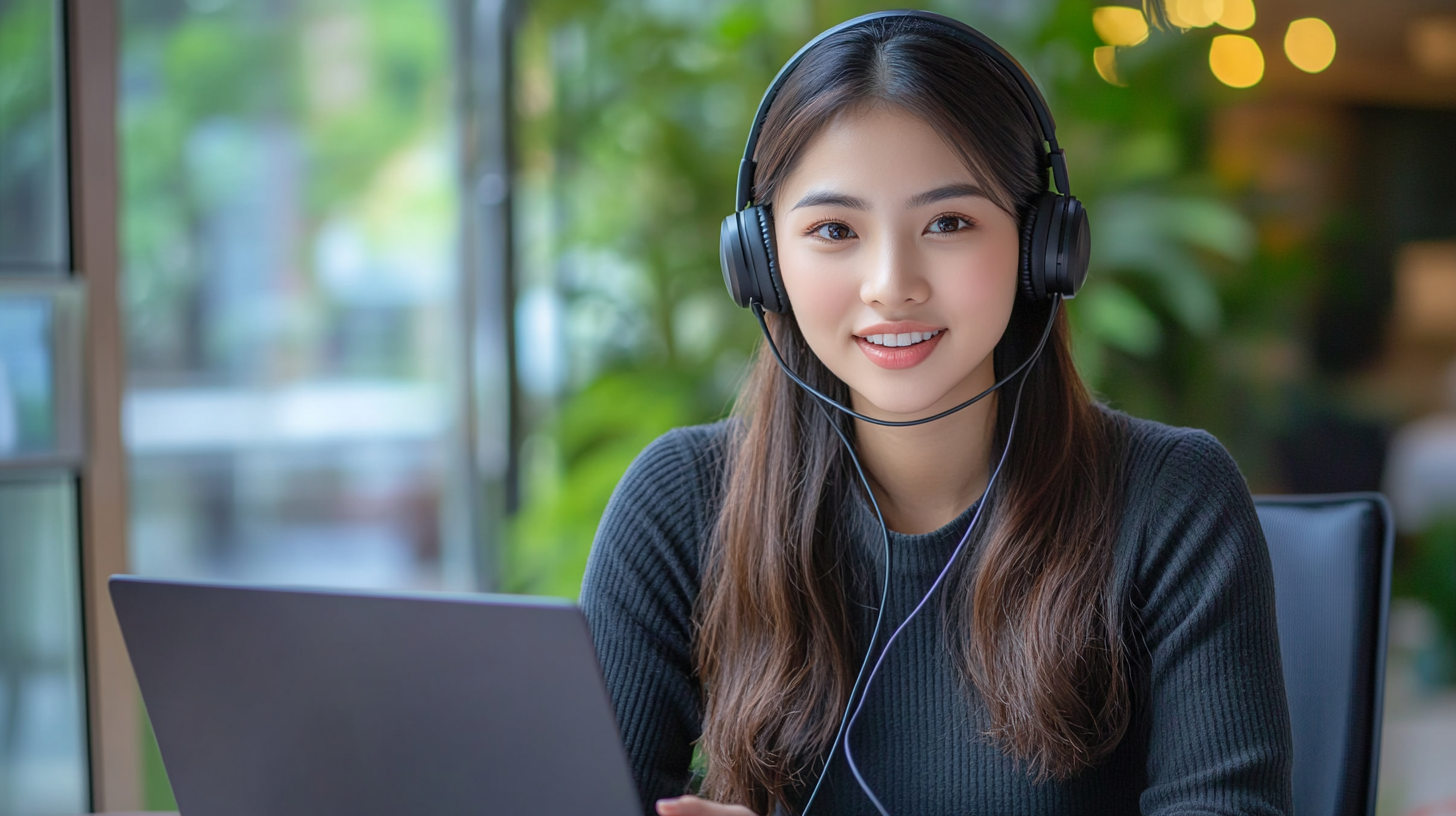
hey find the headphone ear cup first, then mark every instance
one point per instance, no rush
(750, 264)
(1028, 233)
(733, 256)
(775, 299)
(1056, 244)
(1075, 249)
(1039, 246)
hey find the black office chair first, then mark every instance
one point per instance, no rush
(1331, 557)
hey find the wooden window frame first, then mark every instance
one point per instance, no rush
(92, 41)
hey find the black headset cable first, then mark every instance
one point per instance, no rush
(851, 709)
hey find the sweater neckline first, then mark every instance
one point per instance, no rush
(913, 554)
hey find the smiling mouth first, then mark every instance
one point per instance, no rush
(902, 339)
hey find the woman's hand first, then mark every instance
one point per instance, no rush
(693, 806)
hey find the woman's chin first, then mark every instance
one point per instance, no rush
(898, 408)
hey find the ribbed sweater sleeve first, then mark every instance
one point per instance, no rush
(1219, 737)
(638, 593)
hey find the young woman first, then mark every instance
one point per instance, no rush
(1081, 602)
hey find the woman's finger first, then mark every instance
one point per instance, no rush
(693, 806)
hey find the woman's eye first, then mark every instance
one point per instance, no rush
(948, 223)
(833, 231)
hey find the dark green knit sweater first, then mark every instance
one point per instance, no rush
(1210, 732)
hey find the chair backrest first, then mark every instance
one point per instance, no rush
(1331, 557)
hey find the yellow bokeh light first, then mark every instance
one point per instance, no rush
(1236, 60)
(1194, 13)
(1105, 58)
(1170, 10)
(1310, 44)
(1120, 25)
(1238, 15)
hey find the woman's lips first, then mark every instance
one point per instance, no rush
(900, 356)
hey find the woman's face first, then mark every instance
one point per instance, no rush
(901, 270)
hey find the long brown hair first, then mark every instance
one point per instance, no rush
(1030, 615)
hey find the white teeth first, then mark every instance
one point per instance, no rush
(901, 339)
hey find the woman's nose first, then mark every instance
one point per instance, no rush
(897, 277)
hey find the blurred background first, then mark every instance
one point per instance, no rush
(406, 284)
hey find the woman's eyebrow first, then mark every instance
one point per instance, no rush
(961, 190)
(818, 198)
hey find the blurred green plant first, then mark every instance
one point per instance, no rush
(29, 133)
(27, 54)
(1426, 571)
(631, 120)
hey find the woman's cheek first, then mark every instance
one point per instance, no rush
(821, 294)
(982, 283)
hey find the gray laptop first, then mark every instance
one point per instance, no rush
(288, 702)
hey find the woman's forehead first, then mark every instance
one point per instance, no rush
(880, 150)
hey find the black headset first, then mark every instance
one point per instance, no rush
(1055, 238)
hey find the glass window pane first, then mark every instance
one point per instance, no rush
(27, 376)
(32, 139)
(43, 764)
(289, 221)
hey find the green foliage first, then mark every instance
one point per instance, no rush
(26, 54)
(575, 469)
(1428, 572)
(30, 135)
(632, 116)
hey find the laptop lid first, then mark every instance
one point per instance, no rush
(292, 702)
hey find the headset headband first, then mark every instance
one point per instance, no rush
(1055, 157)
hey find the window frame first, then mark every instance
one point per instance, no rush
(91, 37)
